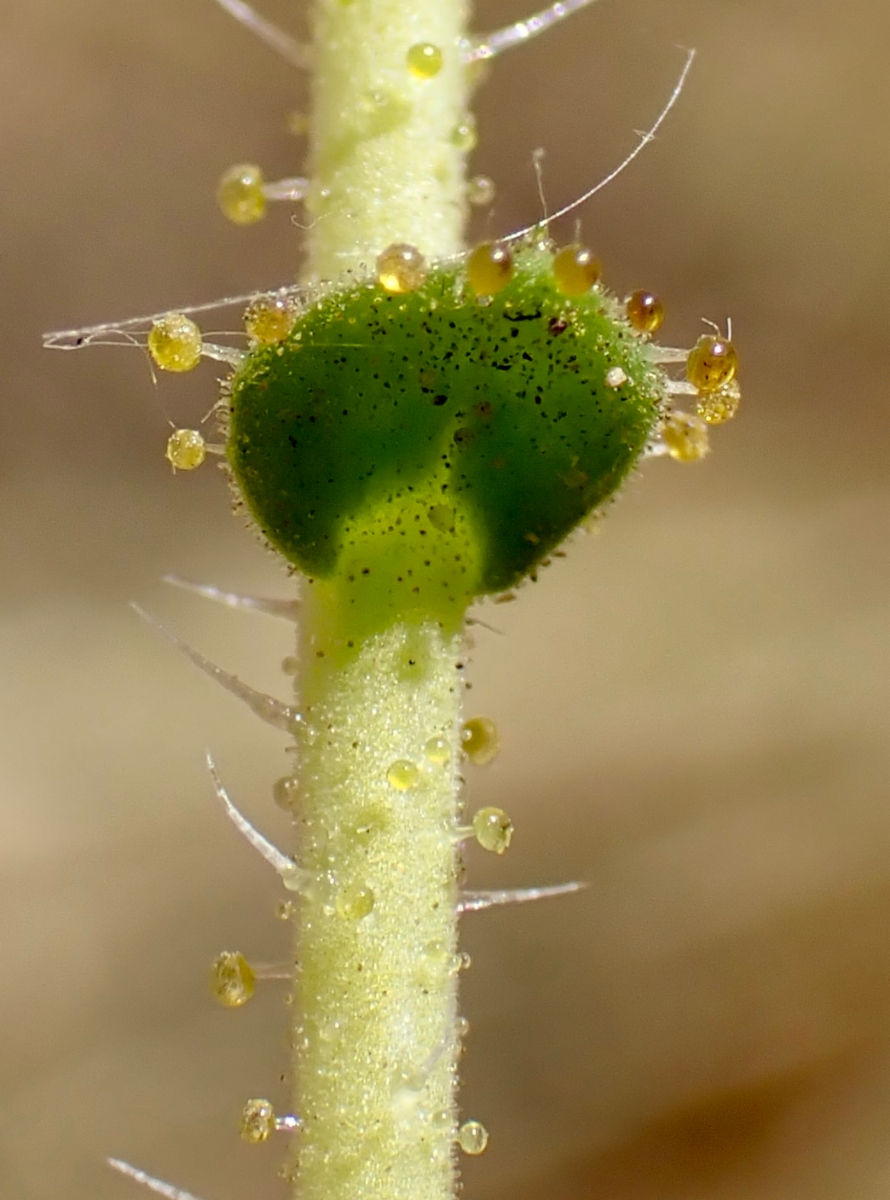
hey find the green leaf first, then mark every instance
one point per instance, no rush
(423, 449)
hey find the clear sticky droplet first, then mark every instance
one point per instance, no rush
(472, 1137)
(403, 775)
(175, 343)
(257, 1121)
(480, 740)
(186, 449)
(290, 665)
(437, 751)
(480, 191)
(284, 792)
(284, 910)
(354, 903)
(437, 953)
(232, 980)
(493, 829)
(462, 961)
(464, 135)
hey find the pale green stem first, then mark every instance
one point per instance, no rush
(375, 1041)
(386, 164)
(375, 1037)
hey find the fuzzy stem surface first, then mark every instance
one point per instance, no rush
(374, 1037)
(374, 1041)
(384, 158)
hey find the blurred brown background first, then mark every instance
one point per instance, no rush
(693, 705)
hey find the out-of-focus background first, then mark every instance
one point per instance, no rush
(693, 705)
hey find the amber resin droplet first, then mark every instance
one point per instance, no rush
(472, 1137)
(424, 60)
(401, 268)
(480, 740)
(720, 405)
(712, 362)
(257, 1121)
(232, 980)
(645, 312)
(174, 342)
(270, 320)
(240, 194)
(575, 270)
(186, 449)
(686, 437)
(493, 829)
(403, 775)
(489, 268)
(480, 190)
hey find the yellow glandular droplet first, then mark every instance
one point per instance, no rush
(480, 740)
(645, 312)
(712, 363)
(257, 1121)
(686, 437)
(480, 191)
(401, 268)
(232, 980)
(354, 903)
(437, 750)
(174, 343)
(721, 405)
(575, 270)
(472, 1137)
(186, 449)
(240, 194)
(493, 829)
(270, 320)
(464, 134)
(424, 60)
(403, 775)
(284, 792)
(489, 269)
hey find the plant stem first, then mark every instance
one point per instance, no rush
(375, 1032)
(375, 1039)
(384, 162)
